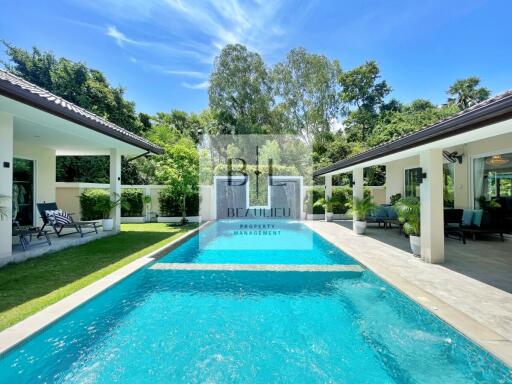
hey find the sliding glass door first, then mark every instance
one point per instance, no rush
(23, 191)
(492, 179)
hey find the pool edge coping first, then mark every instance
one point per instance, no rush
(489, 340)
(28, 327)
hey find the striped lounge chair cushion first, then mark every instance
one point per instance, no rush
(58, 217)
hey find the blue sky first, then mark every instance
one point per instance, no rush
(162, 51)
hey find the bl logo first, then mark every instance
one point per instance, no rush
(242, 171)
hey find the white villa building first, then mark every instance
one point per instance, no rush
(35, 127)
(474, 147)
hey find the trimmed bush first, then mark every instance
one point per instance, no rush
(170, 204)
(132, 203)
(341, 196)
(90, 202)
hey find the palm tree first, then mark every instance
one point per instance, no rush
(466, 92)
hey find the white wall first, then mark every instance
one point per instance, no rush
(45, 172)
(6, 150)
(395, 175)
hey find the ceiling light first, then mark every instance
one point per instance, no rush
(496, 160)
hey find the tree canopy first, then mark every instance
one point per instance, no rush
(336, 112)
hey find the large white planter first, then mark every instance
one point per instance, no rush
(329, 216)
(359, 227)
(415, 242)
(108, 224)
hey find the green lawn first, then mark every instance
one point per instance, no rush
(28, 287)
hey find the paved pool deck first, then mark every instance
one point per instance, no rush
(476, 308)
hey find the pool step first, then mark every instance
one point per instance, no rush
(257, 267)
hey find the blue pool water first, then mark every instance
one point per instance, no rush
(165, 326)
(283, 243)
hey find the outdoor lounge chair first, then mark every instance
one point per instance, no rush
(57, 227)
(452, 224)
(25, 234)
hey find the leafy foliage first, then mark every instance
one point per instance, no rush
(306, 86)
(362, 207)
(361, 88)
(132, 202)
(408, 210)
(240, 91)
(91, 201)
(170, 204)
(467, 92)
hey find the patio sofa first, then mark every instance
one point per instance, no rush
(384, 214)
(473, 222)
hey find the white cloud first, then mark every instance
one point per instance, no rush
(195, 74)
(202, 85)
(203, 27)
(119, 37)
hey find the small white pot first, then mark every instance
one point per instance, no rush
(329, 216)
(108, 224)
(359, 227)
(415, 242)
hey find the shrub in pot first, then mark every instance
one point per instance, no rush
(106, 206)
(408, 210)
(360, 210)
(327, 204)
(147, 203)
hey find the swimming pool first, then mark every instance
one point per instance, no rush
(177, 326)
(258, 242)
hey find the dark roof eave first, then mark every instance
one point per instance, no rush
(490, 114)
(14, 92)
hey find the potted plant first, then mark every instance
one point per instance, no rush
(106, 206)
(147, 203)
(328, 205)
(360, 209)
(408, 209)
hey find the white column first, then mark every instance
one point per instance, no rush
(328, 186)
(431, 196)
(115, 185)
(6, 160)
(357, 188)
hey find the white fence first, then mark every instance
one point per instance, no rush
(68, 199)
(67, 196)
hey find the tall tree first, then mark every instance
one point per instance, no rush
(363, 89)
(306, 85)
(240, 92)
(467, 92)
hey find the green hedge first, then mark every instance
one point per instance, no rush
(132, 203)
(341, 199)
(170, 204)
(89, 201)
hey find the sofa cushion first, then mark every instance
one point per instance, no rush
(467, 217)
(391, 213)
(380, 213)
(476, 220)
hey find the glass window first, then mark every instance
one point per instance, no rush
(492, 178)
(412, 186)
(23, 191)
(448, 192)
